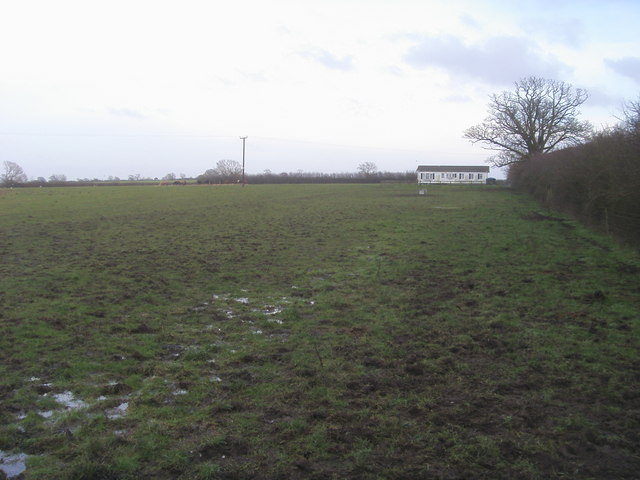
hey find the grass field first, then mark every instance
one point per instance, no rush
(352, 331)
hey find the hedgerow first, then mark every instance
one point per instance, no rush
(597, 182)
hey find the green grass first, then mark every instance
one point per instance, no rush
(326, 331)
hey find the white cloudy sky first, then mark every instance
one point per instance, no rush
(97, 88)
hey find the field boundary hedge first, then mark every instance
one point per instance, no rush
(597, 183)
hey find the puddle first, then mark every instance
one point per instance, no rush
(118, 411)
(65, 399)
(271, 310)
(68, 401)
(12, 465)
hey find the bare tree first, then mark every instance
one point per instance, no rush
(58, 178)
(367, 169)
(539, 116)
(631, 116)
(225, 171)
(13, 174)
(229, 170)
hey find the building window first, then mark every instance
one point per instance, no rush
(461, 176)
(471, 176)
(479, 176)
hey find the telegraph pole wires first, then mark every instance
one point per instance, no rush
(243, 142)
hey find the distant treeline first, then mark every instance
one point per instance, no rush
(87, 183)
(262, 178)
(307, 177)
(597, 182)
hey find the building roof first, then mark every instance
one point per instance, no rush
(453, 168)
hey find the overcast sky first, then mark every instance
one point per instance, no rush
(91, 88)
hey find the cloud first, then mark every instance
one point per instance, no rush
(499, 60)
(627, 66)
(469, 21)
(598, 97)
(458, 99)
(359, 108)
(258, 77)
(125, 112)
(394, 70)
(568, 31)
(329, 60)
(239, 78)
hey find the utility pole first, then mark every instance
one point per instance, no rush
(243, 141)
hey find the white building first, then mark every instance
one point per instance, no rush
(452, 174)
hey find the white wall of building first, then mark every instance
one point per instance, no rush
(452, 177)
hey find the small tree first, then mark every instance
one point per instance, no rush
(58, 178)
(539, 116)
(169, 176)
(367, 169)
(13, 174)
